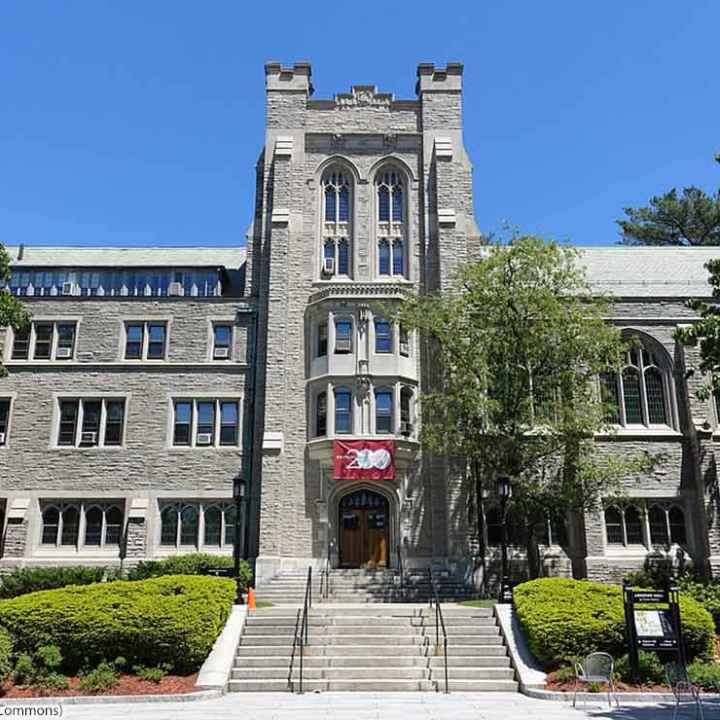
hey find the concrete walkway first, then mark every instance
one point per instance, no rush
(368, 706)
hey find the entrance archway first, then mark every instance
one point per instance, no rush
(364, 529)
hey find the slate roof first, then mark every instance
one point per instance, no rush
(87, 257)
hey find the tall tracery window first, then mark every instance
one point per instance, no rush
(639, 393)
(391, 224)
(336, 226)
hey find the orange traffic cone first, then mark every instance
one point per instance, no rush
(251, 600)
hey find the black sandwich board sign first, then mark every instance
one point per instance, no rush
(657, 627)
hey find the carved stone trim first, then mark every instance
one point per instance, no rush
(363, 96)
(362, 290)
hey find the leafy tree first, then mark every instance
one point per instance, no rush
(519, 340)
(692, 218)
(12, 312)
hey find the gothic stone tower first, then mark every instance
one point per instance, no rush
(359, 199)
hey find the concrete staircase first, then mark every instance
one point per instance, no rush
(374, 648)
(364, 585)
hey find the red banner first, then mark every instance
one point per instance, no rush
(364, 460)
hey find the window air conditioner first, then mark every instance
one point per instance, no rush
(2, 438)
(204, 439)
(88, 438)
(221, 353)
(406, 428)
(343, 345)
(175, 288)
(63, 353)
(328, 266)
(404, 348)
(68, 288)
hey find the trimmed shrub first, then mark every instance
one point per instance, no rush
(103, 677)
(652, 671)
(172, 620)
(6, 650)
(570, 618)
(706, 592)
(706, 675)
(28, 580)
(193, 564)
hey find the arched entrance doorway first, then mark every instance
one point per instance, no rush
(364, 529)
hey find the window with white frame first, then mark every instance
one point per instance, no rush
(336, 223)
(383, 336)
(343, 336)
(45, 340)
(406, 397)
(208, 525)
(343, 411)
(639, 394)
(391, 226)
(322, 340)
(222, 341)
(206, 423)
(646, 523)
(87, 524)
(89, 422)
(384, 410)
(146, 340)
(4, 420)
(404, 341)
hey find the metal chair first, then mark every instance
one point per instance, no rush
(683, 689)
(598, 667)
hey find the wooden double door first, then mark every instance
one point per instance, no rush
(364, 530)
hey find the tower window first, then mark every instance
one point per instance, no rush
(336, 227)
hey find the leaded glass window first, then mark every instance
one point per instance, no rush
(337, 222)
(391, 224)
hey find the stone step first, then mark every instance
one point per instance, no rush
(356, 639)
(474, 673)
(343, 661)
(331, 630)
(371, 685)
(333, 673)
(470, 661)
(477, 685)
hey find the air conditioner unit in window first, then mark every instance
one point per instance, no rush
(2, 438)
(175, 288)
(221, 353)
(88, 438)
(204, 439)
(68, 288)
(404, 348)
(406, 428)
(63, 353)
(328, 266)
(343, 345)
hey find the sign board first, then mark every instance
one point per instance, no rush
(364, 460)
(652, 628)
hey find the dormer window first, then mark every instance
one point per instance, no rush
(336, 225)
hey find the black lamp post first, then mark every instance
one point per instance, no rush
(504, 492)
(239, 498)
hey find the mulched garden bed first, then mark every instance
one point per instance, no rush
(128, 685)
(555, 686)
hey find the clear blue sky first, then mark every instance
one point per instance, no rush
(139, 122)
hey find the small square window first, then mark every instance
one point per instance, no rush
(134, 342)
(383, 336)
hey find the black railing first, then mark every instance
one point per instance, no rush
(439, 625)
(300, 639)
(402, 573)
(325, 581)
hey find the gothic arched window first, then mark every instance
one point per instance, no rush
(639, 394)
(336, 223)
(391, 224)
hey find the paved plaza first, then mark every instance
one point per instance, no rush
(367, 706)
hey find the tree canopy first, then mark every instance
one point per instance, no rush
(691, 219)
(12, 312)
(520, 340)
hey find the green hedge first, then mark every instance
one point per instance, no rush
(706, 592)
(6, 651)
(193, 564)
(172, 620)
(27, 580)
(571, 618)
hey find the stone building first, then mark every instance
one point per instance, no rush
(280, 363)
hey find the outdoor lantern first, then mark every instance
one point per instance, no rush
(504, 487)
(239, 487)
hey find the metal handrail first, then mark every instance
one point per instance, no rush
(301, 638)
(325, 581)
(402, 573)
(291, 686)
(439, 624)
